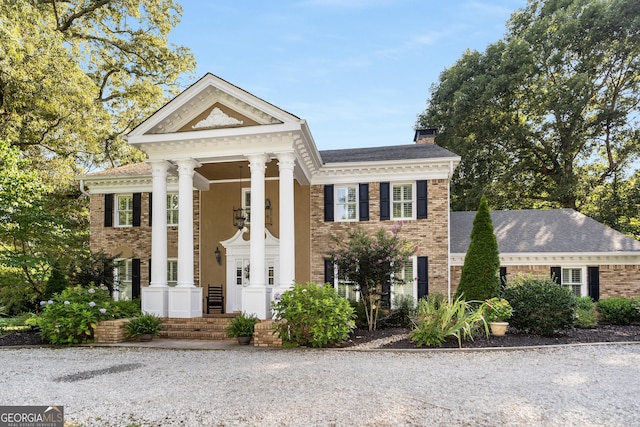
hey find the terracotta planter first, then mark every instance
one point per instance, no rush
(244, 340)
(498, 328)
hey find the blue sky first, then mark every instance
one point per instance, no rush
(359, 71)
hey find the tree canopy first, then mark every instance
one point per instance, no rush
(548, 117)
(75, 76)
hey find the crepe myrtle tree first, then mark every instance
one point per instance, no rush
(371, 261)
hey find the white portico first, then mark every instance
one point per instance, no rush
(202, 136)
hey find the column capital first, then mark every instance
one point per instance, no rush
(258, 160)
(159, 167)
(286, 160)
(187, 166)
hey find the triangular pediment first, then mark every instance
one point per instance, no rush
(212, 103)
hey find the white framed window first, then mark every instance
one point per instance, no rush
(123, 280)
(246, 204)
(172, 209)
(271, 272)
(124, 210)
(346, 203)
(172, 272)
(410, 287)
(402, 201)
(574, 278)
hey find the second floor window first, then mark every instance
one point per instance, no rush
(402, 201)
(346, 203)
(124, 210)
(172, 209)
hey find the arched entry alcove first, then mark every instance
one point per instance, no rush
(238, 266)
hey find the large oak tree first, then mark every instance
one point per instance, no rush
(548, 116)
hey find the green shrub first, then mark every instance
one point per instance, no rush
(586, 316)
(144, 324)
(540, 306)
(71, 316)
(360, 315)
(437, 319)
(618, 311)
(243, 325)
(123, 309)
(313, 315)
(400, 316)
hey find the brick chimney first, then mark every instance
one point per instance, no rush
(425, 136)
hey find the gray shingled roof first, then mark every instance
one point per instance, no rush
(395, 152)
(133, 169)
(553, 230)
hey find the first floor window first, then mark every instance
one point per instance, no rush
(123, 279)
(402, 201)
(573, 278)
(172, 272)
(172, 209)
(347, 289)
(124, 210)
(346, 203)
(405, 290)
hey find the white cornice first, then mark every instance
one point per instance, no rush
(575, 258)
(137, 183)
(397, 170)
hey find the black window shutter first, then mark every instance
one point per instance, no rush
(503, 278)
(108, 210)
(328, 271)
(150, 208)
(363, 201)
(135, 278)
(593, 282)
(385, 202)
(328, 203)
(137, 209)
(149, 271)
(556, 274)
(386, 294)
(423, 276)
(422, 193)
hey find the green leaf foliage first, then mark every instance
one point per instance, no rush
(143, 324)
(243, 325)
(547, 117)
(480, 278)
(619, 311)
(540, 306)
(313, 315)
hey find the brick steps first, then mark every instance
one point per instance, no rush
(201, 328)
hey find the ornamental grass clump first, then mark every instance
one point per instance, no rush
(313, 315)
(497, 310)
(438, 319)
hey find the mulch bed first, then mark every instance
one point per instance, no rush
(21, 338)
(602, 333)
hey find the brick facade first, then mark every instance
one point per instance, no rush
(135, 242)
(431, 234)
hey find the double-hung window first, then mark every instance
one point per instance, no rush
(124, 210)
(124, 279)
(346, 203)
(573, 278)
(246, 204)
(172, 209)
(402, 201)
(172, 272)
(408, 288)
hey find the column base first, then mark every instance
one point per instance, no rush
(257, 300)
(155, 300)
(185, 302)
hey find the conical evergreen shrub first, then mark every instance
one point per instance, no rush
(480, 279)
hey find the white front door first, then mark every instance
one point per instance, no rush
(234, 287)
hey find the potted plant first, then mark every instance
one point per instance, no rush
(242, 327)
(144, 327)
(497, 312)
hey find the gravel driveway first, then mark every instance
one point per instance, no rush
(569, 386)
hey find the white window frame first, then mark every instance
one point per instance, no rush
(117, 211)
(172, 271)
(246, 204)
(570, 282)
(123, 289)
(403, 202)
(172, 212)
(412, 281)
(340, 208)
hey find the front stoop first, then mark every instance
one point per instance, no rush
(210, 328)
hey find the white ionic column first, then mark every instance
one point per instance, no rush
(185, 300)
(155, 297)
(256, 297)
(286, 164)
